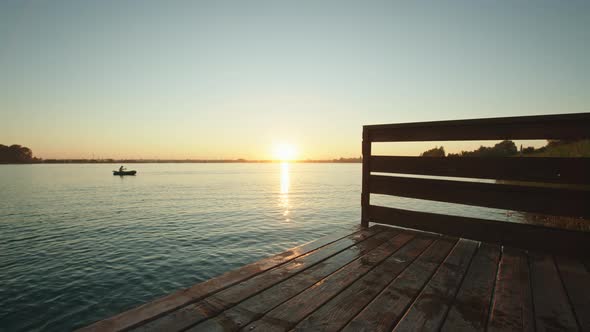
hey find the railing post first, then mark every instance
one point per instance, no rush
(365, 195)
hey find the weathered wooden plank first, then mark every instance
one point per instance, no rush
(291, 312)
(430, 308)
(576, 280)
(512, 303)
(471, 306)
(254, 307)
(560, 126)
(388, 307)
(214, 304)
(168, 303)
(547, 200)
(537, 169)
(552, 309)
(534, 237)
(337, 312)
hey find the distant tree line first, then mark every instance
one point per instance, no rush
(436, 152)
(502, 149)
(506, 148)
(348, 160)
(16, 154)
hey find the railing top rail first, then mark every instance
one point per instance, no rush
(558, 126)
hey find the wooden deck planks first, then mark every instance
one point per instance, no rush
(553, 311)
(429, 310)
(389, 306)
(512, 308)
(335, 313)
(576, 280)
(136, 316)
(214, 304)
(254, 307)
(471, 306)
(291, 312)
(381, 279)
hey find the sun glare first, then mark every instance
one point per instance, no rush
(284, 152)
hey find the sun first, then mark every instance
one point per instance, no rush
(284, 152)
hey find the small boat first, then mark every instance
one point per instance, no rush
(121, 173)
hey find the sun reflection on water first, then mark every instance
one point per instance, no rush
(284, 195)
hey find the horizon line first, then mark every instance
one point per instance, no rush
(200, 161)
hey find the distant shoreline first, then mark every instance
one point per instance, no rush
(182, 161)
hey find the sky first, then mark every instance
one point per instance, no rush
(234, 79)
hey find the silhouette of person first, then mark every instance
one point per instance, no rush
(121, 169)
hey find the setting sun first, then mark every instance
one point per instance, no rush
(284, 152)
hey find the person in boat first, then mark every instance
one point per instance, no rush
(121, 169)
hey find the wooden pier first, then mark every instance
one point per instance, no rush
(425, 271)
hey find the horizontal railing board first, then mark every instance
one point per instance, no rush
(545, 200)
(525, 236)
(466, 133)
(527, 119)
(561, 126)
(537, 169)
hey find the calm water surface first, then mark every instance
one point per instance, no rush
(78, 244)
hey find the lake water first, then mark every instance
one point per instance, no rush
(78, 244)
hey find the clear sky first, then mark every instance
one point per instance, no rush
(219, 79)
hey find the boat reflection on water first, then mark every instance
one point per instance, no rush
(284, 193)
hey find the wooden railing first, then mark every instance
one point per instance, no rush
(568, 194)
